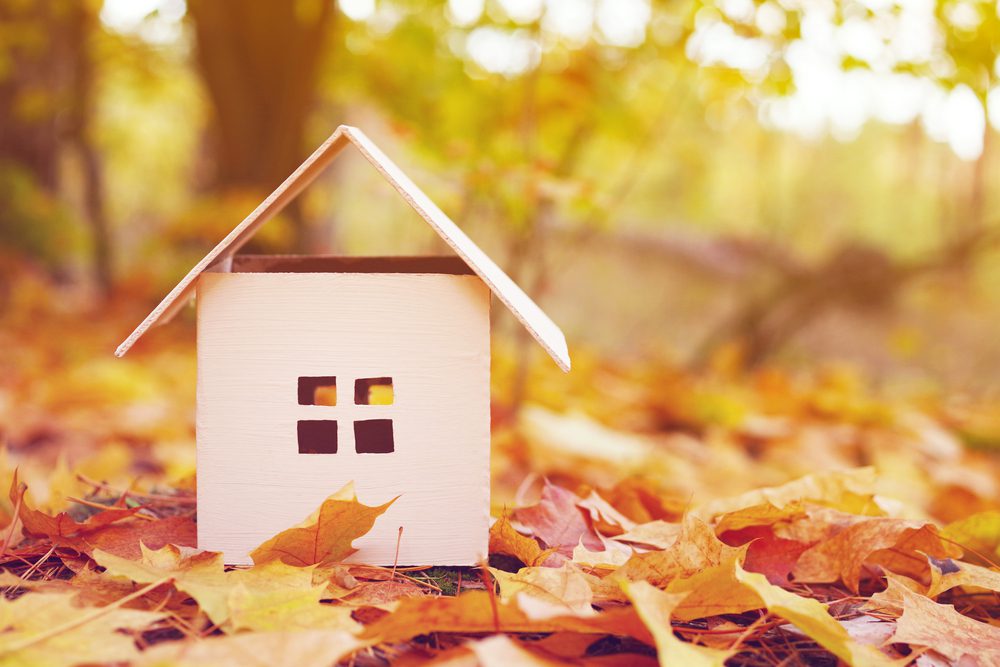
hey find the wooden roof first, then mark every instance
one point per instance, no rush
(534, 319)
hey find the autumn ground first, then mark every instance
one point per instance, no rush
(642, 514)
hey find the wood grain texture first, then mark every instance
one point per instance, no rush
(534, 319)
(258, 333)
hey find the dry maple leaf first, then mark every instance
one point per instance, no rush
(559, 521)
(811, 617)
(62, 525)
(844, 555)
(565, 587)
(47, 629)
(303, 648)
(948, 574)
(694, 549)
(202, 575)
(655, 607)
(504, 539)
(126, 537)
(326, 535)
(940, 627)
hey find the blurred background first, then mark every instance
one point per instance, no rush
(693, 189)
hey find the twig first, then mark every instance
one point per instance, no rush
(490, 590)
(180, 500)
(395, 561)
(82, 620)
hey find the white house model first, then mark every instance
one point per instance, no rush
(317, 371)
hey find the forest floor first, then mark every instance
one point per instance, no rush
(643, 515)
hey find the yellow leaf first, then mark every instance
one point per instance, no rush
(501, 651)
(32, 637)
(939, 626)
(202, 576)
(849, 491)
(304, 648)
(327, 535)
(948, 574)
(286, 609)
(979, 533)
(654, 608)
(504, 539)
(896, 544)
(695, 548)
(565, 588)
(811, 617)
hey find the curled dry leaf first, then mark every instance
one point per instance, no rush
(694, 549)
(559, 521)
(925, 623)
(565, 588)
(843, 557)
(812, 617)
(327, 535)
(38, 523)
(655, 607)
(504, 539)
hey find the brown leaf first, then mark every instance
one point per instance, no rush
(504, 539)
(695, 548)
(559, 522)
(39, 523)
(940, 627)
(123, 538)
(327, 535)
(844, 555)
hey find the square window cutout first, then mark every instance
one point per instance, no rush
(318, 390)
(373, 391)
(317, 436)
(373, 436)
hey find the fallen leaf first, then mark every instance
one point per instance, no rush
(125, 537)
(304, 648)
(48, 629)
(326, 535)
(286, 609)
(501, 651)
(694, 549)
(939, 627)
(202, 575)
(658, 534)
(565, 588)
(842, 557)
(655, 608)
(558, 521)
(504, 539)
(979, 533)
(948, 574)
(849, 491)
(812, 617)
(35, 522)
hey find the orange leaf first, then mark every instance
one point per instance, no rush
(39, 523)
(327, 535)
(939, 627)
(844, 555)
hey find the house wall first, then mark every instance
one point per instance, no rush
(258, 333)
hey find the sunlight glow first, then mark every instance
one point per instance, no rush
(357, 10)
(501, 51)
(155, 21)
(623, 22)
(465, 12)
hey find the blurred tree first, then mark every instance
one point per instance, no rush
(260, 62)
(46, 101)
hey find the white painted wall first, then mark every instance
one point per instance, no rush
(258, 332)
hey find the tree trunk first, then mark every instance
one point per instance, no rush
(260, 62)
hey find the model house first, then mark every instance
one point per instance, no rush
(317, 371)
